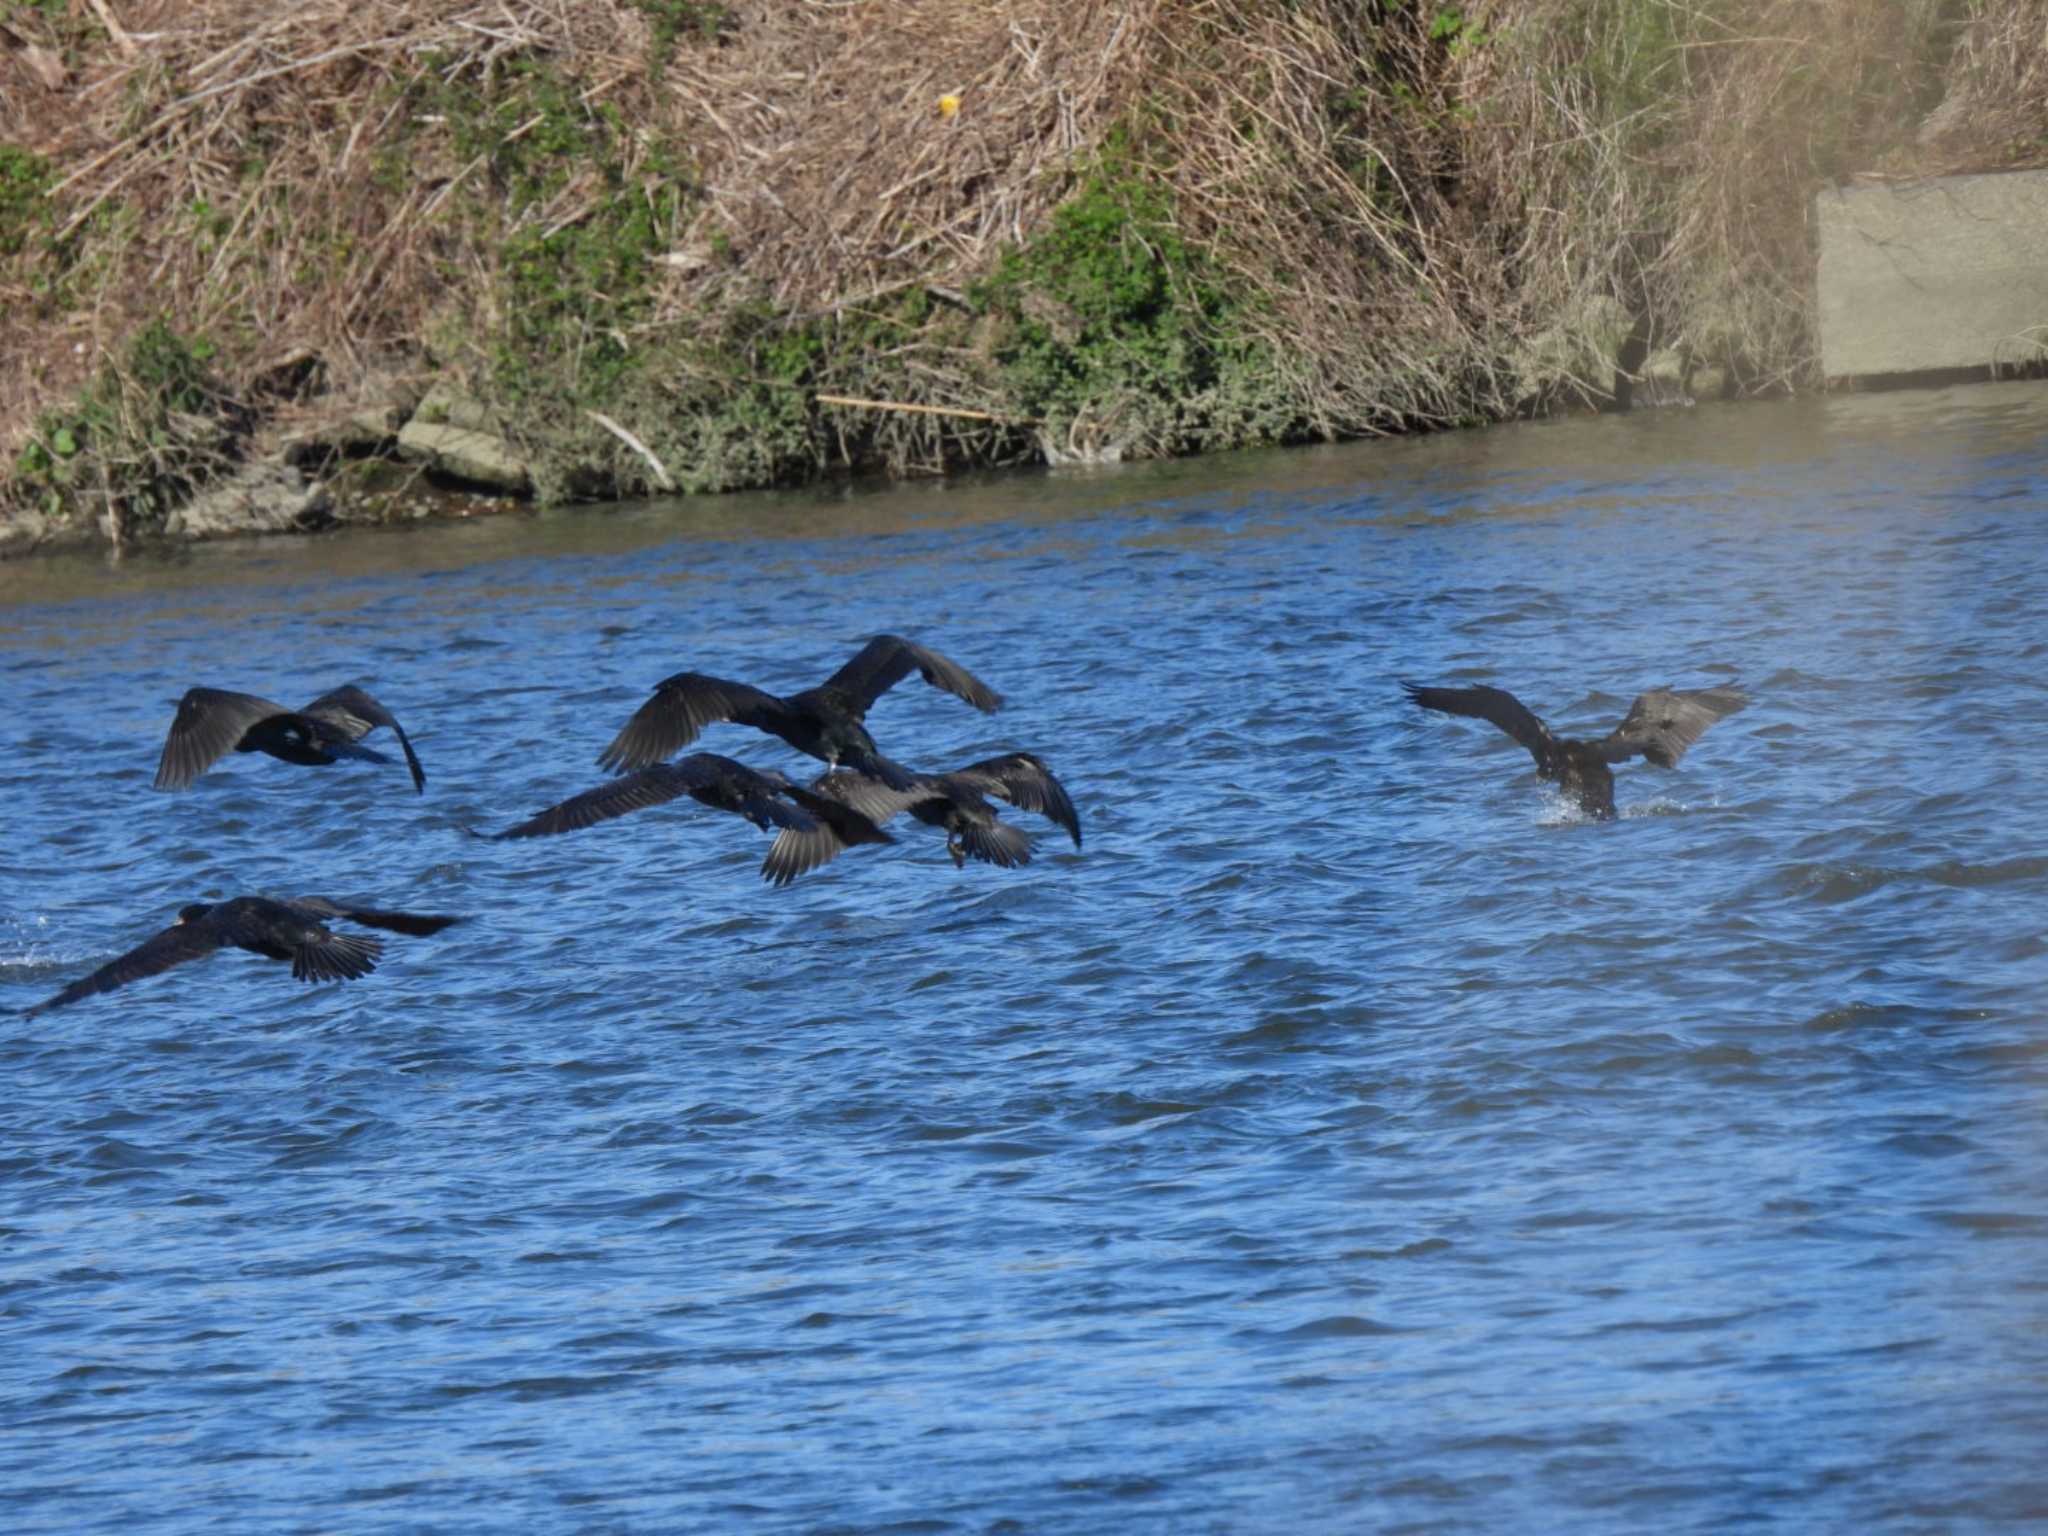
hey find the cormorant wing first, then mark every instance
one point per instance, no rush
(1495, 705)
(757, 797)
(835, 827)
(681, 707)
(355, 714)
(1024, 781)
(850, 826)
(330, 956)
(996, 842)
(796, 852)
(174, 946)
(1662, 723)
(870, 797)
(418, 924)
(209, 722)
(887, 659)
(318, 952)
(884, 770)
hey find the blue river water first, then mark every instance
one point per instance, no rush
(1350, 1136)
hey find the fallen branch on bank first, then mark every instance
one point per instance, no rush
(927, 410)
(661, 475)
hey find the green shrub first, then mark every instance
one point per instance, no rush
(140, 437)
(1116, 331)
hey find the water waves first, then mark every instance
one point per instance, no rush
(1352, 1134)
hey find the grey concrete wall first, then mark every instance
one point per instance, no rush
(1946, 273)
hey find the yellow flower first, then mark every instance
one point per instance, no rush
(948, 105)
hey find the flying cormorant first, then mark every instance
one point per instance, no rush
(1660, 725)
(278, 930)
(825, 721)
(953, 802)
(812, 829)
(212, 722)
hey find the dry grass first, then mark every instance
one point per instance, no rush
(1673, 147)
(1322, 153)
(1993, 112)
(223, 168)
(831, 174)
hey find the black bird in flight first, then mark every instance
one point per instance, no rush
(811, 829)
(296, 931)
(954, 803)
(1660, 725)
(826, 721)
(212, 722)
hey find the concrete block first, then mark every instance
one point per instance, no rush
(260, 498)
(445, 405)
(475, 456)
(1936, 275)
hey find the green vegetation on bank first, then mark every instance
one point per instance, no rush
(25, 178)
(149, 429)
(671, 242)
(1114, 329)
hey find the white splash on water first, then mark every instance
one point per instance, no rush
(24, 945)
(1670, 805)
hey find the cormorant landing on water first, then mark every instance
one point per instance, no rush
(212, 722)
(1660, 725)
(277, 930)
(812, 829)
(826, 721)
(953, 802)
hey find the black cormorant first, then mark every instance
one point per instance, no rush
(825, 721)
(812, 828)
(953, 802)
(1660, 725)
(212, 722)
(278, 930)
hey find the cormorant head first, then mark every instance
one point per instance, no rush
(198, 909)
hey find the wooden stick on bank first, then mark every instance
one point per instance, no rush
(661, 474)
(926, 410)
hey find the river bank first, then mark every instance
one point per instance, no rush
(315, 260)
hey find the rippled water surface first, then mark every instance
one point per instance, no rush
(1348, 1137)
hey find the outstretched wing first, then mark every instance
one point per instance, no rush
(996, 842)
(354, 714)
(887, 659)
(318, 952)
(329, 956)
(1026, 783)
(209, 723)
(850, 826)
(681, 707)
(621, 797)
(869, 797)
(174, 946)
(1662, 723)
(1495, 705)
(737, 788)
(835, 827)
(418, 924)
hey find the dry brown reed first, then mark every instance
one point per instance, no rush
(832, 174)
